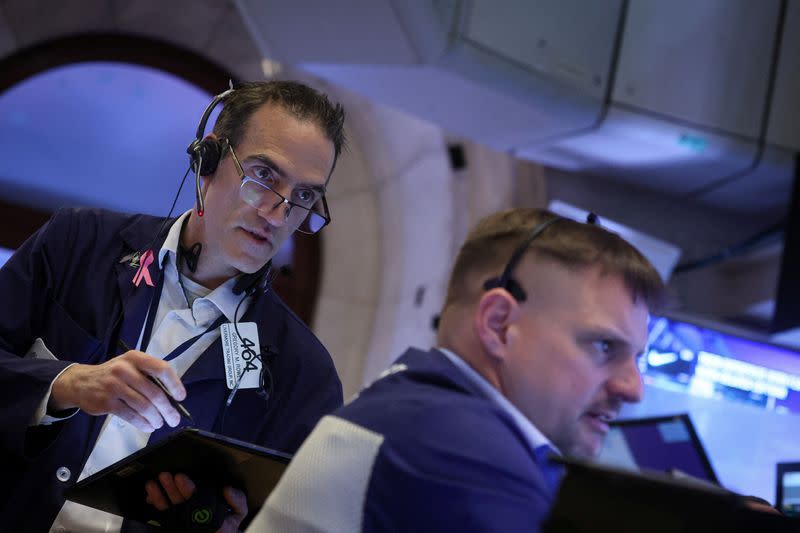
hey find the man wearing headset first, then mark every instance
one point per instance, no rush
(97, 303)
(536, 355)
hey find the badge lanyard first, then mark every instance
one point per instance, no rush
(152, 309)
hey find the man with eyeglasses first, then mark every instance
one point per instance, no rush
(537, 351)
(105, 304)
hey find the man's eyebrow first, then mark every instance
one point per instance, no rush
(616, 337)
(267, 161)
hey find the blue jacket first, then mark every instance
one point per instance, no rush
(66, 284)
(446, 458)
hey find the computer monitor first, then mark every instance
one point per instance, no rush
(721, 364)
(667, 444)
(787, 492)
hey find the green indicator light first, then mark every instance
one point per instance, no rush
(202, 516)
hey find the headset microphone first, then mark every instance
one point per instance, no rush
(204, 154)
(248, 283)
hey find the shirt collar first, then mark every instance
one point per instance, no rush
(534, 437)
(170, 245)
(222, 296)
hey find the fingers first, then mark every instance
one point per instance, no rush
(230, 525)
(238, 502)
(155, 496)
(169, 490)
(142, 402)
(156, 404)
(165, 373)
(123, 411)
(185, 485)
(141, 395)
(178, 488)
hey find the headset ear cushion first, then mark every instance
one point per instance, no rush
(516, 290)
(210, 151)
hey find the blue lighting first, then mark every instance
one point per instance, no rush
(693, 142)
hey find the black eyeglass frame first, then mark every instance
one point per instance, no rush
(325, 215)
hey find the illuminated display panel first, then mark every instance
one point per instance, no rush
(708, 363)
(788, 489)
(5, 253)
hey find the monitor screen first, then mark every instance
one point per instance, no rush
(741, 390)
(787, 497)
(709, 363)
(661, 444)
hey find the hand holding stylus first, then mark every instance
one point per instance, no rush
(123, 386)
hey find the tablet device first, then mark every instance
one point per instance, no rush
(662, 444)
(201, 455)
(596, 497)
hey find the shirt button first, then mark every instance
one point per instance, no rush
(63, 474)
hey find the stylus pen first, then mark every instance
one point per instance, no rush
(173, 402)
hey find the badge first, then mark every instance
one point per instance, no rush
(241, 355)
(132, 259)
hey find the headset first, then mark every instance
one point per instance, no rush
(204, 158)
(505, 281)
(205, 154)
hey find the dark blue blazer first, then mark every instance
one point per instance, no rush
(66, 284)
(451, 460)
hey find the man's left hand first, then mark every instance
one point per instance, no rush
(179, 488)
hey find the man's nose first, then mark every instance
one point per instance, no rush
(626, 382)
(277, 213)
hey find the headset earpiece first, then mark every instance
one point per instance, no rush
(511, 285)
(207, 153)
(204, 154)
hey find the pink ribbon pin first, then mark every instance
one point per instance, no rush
(144, 272)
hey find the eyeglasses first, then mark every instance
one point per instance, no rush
(308, 212)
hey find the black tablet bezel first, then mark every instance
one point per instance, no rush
(687, 422)
(119, 488)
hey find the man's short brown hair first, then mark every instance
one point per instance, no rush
(489, 246)
(299, 100)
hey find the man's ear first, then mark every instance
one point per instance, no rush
(496, 311)
(213, 151)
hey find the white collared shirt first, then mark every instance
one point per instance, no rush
(533, 436)
(175, 323)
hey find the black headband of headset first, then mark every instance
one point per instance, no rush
(204, 154)
(201, 128)
(505, 280)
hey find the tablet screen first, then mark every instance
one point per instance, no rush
(661, 444)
